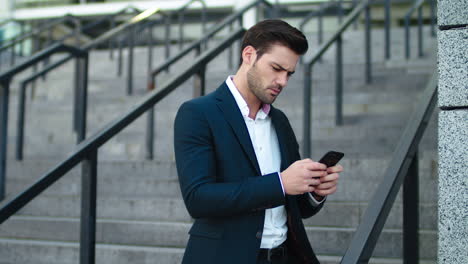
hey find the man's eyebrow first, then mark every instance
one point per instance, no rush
(282, 68)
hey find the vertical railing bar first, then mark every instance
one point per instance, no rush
(4, 101)
(411, 213)
(199, 78)
(420, 32)
(306, 123)
(387, 29)
(433, 18)
(339, 81)
(340, 12)
(131, 43)
(181, 30)
(150, 116)
(111, 40)
(407, 37)
(12, 56)
(320, 26)
(88, 209)
(120, 53)
(230, 51)
(20, 122)
(76, 95)
(83, 63)
(368, 45)
(22, 29)
(167, 41)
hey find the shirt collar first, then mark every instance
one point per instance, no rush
(242, 104)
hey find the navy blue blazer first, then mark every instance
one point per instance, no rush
(222, 186)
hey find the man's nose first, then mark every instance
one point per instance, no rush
(282, 79)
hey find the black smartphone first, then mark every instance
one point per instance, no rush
(331, 158)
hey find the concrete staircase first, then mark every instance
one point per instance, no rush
(141, 216)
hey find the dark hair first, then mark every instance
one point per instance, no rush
(272, 31)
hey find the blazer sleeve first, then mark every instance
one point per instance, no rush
(307, 207)
(203, 194)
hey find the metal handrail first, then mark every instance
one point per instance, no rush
(20, 39)
(197, 46)
(5, 80)
(77, 123)
(402, 169)
(316, 13)
(308, 64)
(86, 152)
(181, 12)
(416, 6)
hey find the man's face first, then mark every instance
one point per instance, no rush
(270, 74)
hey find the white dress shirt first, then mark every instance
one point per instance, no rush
(266, 147)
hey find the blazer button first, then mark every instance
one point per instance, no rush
(258, 235)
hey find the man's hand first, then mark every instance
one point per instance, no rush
(304, 176)
(329, 182)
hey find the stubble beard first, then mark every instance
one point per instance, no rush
(257, 88)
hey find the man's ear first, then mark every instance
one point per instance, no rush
(249, 55)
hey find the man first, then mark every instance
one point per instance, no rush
(238, 161)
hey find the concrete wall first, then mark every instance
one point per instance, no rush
(453, 131)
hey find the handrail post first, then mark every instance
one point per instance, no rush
(83, 95)
(433, 17)
(368, 45)
(387, 29)
(199, 78)
(150, 123)
(111, 40)
(306, 122)
(339, 81)
(407, 37)
(131, 43)
(88, 209)
(181, 30)
(320, 27)
(20, 122)
(411, 213)
(119, 61)
(230, 51)
(167, 42)
(420, 29)
(340, 12)
(150, 117)
(4, 100)
(76, 95)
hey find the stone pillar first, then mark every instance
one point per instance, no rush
(453, 131)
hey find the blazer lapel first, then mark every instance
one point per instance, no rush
(282, 137)
(228, 106)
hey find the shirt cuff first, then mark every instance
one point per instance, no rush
(281, 181)
(314, 201)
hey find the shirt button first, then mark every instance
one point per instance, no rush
(258, 235)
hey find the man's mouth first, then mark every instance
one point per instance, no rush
(275, 91)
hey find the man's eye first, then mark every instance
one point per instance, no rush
(276, 69)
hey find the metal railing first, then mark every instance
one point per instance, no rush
(402, 170)
(319, 15)
(77, 105)
(418, 6)
(87, 154)
(197, 47)
(33, 35)
(5, 80)
(364, 6)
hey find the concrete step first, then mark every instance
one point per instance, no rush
(148, 180)
(53, 252)
(335, 214)
(329, 241)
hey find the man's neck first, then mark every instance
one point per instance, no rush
(252, 101)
